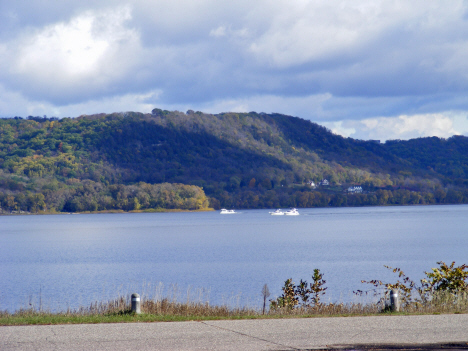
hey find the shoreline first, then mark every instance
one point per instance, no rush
(175, 210)
(46, 213)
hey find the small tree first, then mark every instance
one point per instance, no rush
(288, 299)
(447, 278)
(317, 289)
(307, 296)
(302, 291)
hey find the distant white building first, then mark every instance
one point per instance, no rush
(312, 184)
(324, 182)
(355, 189)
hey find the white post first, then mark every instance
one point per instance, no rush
(136, 303)
(394, 301)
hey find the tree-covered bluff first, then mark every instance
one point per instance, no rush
(193, 160)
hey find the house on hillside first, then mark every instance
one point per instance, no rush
(312, 184)
(324, 183)
(355, 189)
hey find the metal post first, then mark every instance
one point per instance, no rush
(394, 301)
(136, 304)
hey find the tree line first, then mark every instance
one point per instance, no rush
(93, 196)
(241, 160)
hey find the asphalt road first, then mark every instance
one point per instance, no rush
(350, 333)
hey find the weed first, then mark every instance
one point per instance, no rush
(444, 290)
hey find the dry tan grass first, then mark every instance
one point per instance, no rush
(441, 302)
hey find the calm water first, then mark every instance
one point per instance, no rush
(72, 260)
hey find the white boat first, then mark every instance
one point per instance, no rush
(292, 212)
(224, 211)
(278, 212)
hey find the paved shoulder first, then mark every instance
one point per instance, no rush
(274, 334)
(331, 332)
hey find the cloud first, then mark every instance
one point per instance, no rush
(328, 61)
(401, 127)
(144, 102)
(308, 107)
(218, 32)
(73, 60)
(14, 104)
(312, 31)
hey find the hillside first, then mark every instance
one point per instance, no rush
(171, 159)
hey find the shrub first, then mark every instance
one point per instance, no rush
(303, 295)
(445, 283)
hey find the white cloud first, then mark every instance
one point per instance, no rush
(338, 128)
(87, 53)
(401, 127)
(69, 48)
(218, 32)
(319, 30)
(143, 102)
(14, 104)
(308, 107)
(326, 60)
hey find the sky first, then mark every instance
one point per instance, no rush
(364, 69)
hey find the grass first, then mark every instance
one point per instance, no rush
(169, 310)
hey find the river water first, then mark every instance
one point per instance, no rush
(62, 261)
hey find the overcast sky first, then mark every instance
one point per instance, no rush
(366, 69)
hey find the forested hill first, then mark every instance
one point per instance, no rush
(171, 159)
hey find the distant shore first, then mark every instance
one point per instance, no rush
(164, 210)
(156, 210)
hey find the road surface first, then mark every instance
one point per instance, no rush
(349, 333)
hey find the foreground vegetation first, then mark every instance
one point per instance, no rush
(444, 290)
(170, 159)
